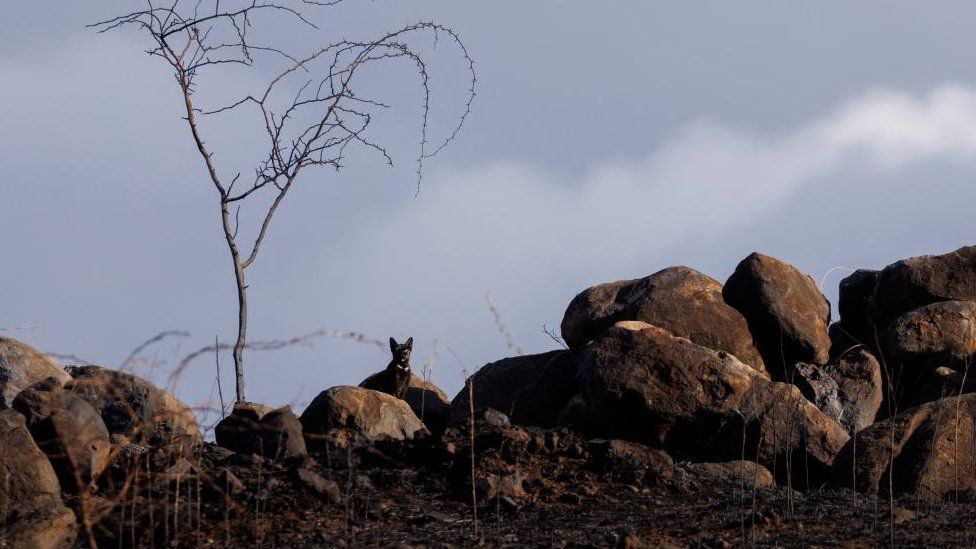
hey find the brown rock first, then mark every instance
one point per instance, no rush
(912, 283)
(849, 390)
(643, 384)
(68, 430)
(426, 399)
(931, 448)
(682, 300)
(854, 306)
(134, 407)
(738, 472)
(939, 334)
(372, 414)
(325, 488)
(530, 390)
(786, 312)
(22, 366)
(31, 508)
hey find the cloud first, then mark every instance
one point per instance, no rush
(709, 195)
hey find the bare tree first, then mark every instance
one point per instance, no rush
(310, 111)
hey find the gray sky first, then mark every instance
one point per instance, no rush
(609, 140)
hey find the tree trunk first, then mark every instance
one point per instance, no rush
(241, 327)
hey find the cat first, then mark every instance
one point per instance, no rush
(395, 379)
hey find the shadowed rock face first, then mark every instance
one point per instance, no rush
(641, 383)
(918, 281)
(31, 510)
(257, 429)
(786, 312)
(530, 389)
(68, 430)
(854, 307)
(372, 414)
(135, 408)
(939, 334)
(427, 400)
(22, 366)
(686, 302)
(931, 446)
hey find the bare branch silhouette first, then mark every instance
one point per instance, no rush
(308, 124)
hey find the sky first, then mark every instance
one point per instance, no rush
(607, 141)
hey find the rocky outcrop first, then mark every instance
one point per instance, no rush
(68, 430)
(786, 312)
(530, 389)
(135, 408)
(931, 450)
(32, 513)
(915, 282)
(641, 383)
(22, 366)
(684, 301)
(256, 429)
(370, 414)
(849, 390)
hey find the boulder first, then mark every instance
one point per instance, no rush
(682, 300)
(938, 334)
(849, 390)
(371, 414)
(748, 473)
(940, 383)
(22, 366)
(530, 389)
(786, 312)
(256, 429)
(32, 513)
(426, 399)
(931, 450)
(68, 430)
(641, 383)
(135, 408)
(854, 306)
(912, 283)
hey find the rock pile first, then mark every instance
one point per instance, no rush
(669, 380)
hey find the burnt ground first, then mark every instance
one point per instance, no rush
(548, 489)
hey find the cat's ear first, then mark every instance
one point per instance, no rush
(393, 345)
(409, 343)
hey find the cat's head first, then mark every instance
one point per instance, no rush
(401, 353)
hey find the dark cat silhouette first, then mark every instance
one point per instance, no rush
(395, 379)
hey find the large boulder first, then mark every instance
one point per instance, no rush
(682, 300)
(32, 513)
(930, 450)
(364, 412)
(530, 389)
(855, 309)
(849, 389)
(938, 334)
(426, 399)
(641, 383)
(915, 282)
(786, 312)
(68, 430)
(22, 366)
(135, 408)
(256, 429)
